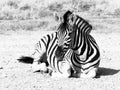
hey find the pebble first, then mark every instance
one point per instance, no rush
(1, 67)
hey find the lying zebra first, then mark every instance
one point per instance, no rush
(46, 58)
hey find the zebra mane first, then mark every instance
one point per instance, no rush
(86, 23)
(62, 27)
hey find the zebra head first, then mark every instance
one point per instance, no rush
(65, 29)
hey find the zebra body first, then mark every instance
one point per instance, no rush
(48, 45)
(55, 56)
(85, 57)
(86, 54)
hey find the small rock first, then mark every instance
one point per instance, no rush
(1, 67)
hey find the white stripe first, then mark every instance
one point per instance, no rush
(90, 64)
(84, 56)
(77, 21)
(94, 53)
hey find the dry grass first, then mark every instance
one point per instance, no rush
(36, 9)
(14, 13)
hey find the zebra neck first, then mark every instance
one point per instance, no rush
(83, 25)
(80, 40)
(85, 29)
(81, 47)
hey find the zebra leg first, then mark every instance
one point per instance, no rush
(39, 67)
(90, 74)
(39, 63)
(40, 57)
(65, 70)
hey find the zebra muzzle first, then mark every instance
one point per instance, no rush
(59, 52)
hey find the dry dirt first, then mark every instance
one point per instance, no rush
(19, 76)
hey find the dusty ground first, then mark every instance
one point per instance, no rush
(19, 76)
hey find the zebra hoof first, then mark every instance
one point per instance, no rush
(39, 67)
(43, 67)
(91, 74)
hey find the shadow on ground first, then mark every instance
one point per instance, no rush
(106, 72)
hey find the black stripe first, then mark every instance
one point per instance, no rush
(52, 53)
(91, 66)
(74, 59)
(58, 66)
(52, 44)
(48, 42)
(84, 46)
(97, 52)
(43, 42)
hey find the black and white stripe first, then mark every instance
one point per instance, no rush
(85, 57)
(48, 46)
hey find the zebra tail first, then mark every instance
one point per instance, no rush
(26, 59)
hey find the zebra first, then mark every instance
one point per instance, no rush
(47, 57)
(85, 57)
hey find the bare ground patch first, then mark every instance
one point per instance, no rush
(18, 76)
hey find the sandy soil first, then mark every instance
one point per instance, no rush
(19, 76)
(17, 38)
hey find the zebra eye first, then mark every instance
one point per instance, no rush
(69, 34)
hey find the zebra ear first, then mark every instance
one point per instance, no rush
(72, 19)
(58, 17)
(66, 16)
